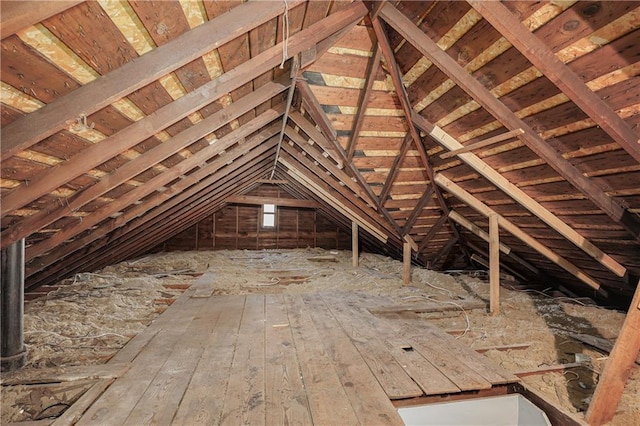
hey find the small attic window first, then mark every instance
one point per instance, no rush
(268, 215)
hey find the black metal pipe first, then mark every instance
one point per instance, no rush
(13, 353)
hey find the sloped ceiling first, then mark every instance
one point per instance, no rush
(123, 123)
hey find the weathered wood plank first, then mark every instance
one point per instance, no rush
(325, 393)
(117, 402)
(244, 400)
(285, 397)
(204, 398)
(17, 15)
(391, 375)
(64, 374)
(356, 378)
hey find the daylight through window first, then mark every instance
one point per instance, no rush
(268, 215)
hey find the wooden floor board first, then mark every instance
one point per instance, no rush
(325, 394)
(286, 400)
(114, 406)
(244, 400)
(283, 359)
(162, 397)
(431, 380)
(355, 376)
(202, 402)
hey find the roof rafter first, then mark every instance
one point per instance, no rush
(181, 193)
(178, 109)
(514, 230)
(156, 182)
(521, 197)
(560, 74)
(96, 95)
(144, 161)
(17, 15)
(477, 91)
(401, 92)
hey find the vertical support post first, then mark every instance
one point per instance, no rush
(354, 243)
(13, 353)
(494, 265)
(406, 262)
(618, 367)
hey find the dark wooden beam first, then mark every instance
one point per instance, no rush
(143, 162)
(394, 70)
(483, 143)
(365, 95)
(415, 214)
(316, 136)
(282, 202)
(315, 110)
(431, 233)
(617, 368)
(395, 169)
(34, 127)
(341, 175)
(559, 74)
(18, 15)
(163, 117)
(480, 94)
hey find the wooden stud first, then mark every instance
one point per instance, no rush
(494, 265)
(406, 263)
(617, 368)
(354, 243)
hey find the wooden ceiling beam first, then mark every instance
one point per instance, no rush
(136, 166)
(365, 95)
(480, 94)
(424, 200)
(559, 74)
(395, 169)
(359, 210)
(316, 136)
(521, 197)
(155, 205)
(180, 108)
(341, 175)
(344, 160)
(156, 183)
(514, 230)
(431, 233)
(281, 202)
(18, 15)
(483, 143)
(26, 131)
(401, 92)
(315, 110)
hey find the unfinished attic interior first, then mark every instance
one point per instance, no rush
(319, 212)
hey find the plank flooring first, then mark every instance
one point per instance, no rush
(315, 358)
